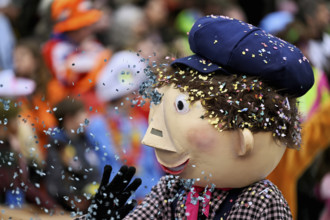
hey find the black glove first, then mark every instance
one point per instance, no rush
(110, 200)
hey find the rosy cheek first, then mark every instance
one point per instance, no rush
(202, 139)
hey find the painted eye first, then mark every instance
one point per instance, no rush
(181, 104)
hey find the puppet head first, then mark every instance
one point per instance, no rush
(228, 112)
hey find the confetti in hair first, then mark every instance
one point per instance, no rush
(232, 101)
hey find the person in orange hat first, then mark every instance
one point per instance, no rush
(72, 54)
(73, 15)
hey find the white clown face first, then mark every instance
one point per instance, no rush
(189, 146)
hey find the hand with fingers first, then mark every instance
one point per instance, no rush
(110, 202)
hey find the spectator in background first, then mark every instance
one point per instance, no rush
(10, 163)
(11, 8)
(8, 38)
(73, 56)
(325, 195)
(16, 187)
(36, 110)
(232, 9)
(157, 14)
(313, 197)
(322, 188)
(277, 21)
(183, 22)
(27, 18)
(135, 28)
(316, 16)
(72, 164)
(76, 60)
(187, 16)
(36, 113)
(23, 21)
(129, 27)
(105, 24)
(43, 28)
(126, 119)
(257, 9)
(159, 34)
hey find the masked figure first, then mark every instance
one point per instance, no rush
(221, 121)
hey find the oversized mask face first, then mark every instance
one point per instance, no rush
(186, 144)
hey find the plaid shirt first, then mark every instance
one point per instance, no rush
(261, 200)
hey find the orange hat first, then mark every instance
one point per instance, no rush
(70, 15)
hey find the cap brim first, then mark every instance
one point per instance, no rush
(198, 63)
(78, 22)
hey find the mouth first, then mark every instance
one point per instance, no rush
(175, 170)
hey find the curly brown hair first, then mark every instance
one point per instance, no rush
(237, 101)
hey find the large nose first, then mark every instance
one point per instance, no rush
(157, 135)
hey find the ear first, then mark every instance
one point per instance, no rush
(246, 142)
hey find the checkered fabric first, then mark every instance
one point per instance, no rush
(261, 200)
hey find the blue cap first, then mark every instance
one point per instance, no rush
(230, 46)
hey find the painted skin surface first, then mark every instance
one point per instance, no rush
(189, 146)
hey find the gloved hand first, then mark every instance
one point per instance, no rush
(110, 200)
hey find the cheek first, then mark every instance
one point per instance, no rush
(202, 139)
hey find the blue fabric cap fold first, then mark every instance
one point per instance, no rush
(231, 46)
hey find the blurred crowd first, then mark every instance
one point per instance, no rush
(70, 72)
